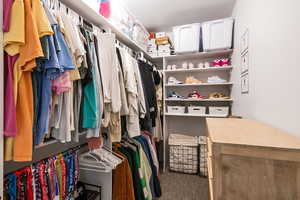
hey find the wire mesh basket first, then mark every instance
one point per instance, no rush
(203, 156)
(184, 159)
(184, 154)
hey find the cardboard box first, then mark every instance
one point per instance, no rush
(160, 34)
(163, 41)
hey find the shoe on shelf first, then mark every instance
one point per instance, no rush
(225, 62)
(173, 81)
(215, 79)
(195, 95)
(192, 80)
(174, 95)
(217, 63)
(218, 95)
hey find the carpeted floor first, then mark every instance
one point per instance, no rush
(183, 187)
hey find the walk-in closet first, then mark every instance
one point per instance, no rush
(149, 100)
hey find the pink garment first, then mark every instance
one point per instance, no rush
(10, 121)
(7, 5)
(62, 83)
(105, 8)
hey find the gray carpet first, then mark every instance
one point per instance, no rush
(183, 187)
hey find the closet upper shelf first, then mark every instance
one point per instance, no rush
(194, 115)
(200, 84)
(92, 16)
(200, 100)
(199, 70)
(199, 55)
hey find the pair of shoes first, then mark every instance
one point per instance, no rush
(217, 95)
(221, 62)
(195, 95)
(192, 80)
(173, 81)
(171, 67)
(174, 95)
(215, 79)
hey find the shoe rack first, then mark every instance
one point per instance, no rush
(186, 123)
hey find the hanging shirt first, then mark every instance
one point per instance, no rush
(15, 37)
(10, 125)
(25, 63)
(7, 5)
(109, 70)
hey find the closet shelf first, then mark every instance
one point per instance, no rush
(44, 151)
(200, 84)
(92, 16)
(199, 70)
(200, 100)
(199, 55)
(195, 115)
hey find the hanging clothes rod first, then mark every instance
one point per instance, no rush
(63, 6)
(92, 16)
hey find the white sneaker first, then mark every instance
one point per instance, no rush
(215, 79)
(173, 81)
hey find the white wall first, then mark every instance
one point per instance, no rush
(274, 96)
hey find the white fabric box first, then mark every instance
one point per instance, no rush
(187, 38)
(217, 34)
(152, 43)
(176, 109)
(164, 51)
(200, 110)
(164, 47)
(160, 34)
(152, 50)
(154, 54)
(219, 111)
(164, 54)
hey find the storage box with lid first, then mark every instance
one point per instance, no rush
(160, 34)
(176, 109)
(200, 110)
(187, 38)
(217, 34)
(152, 43)
(219, 111)
(184, 155)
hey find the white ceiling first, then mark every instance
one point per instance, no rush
(161, 15)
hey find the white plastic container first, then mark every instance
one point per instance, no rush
(187, 38)
(219, 111)
(176, 109)
(217, 35)
(199, 110)
(160, 34)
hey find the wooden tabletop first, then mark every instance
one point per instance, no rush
(249, 132)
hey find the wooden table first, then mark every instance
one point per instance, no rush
(248, 160)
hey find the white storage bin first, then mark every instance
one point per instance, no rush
(219, 111)
(176, 109)
(187, 38)
(160, 34)
(217, 34)
(200, 110)
(152, 50)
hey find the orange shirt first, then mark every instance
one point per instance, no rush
(25, 63)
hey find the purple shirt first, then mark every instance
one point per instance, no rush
(7, 4)
(10, 122)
